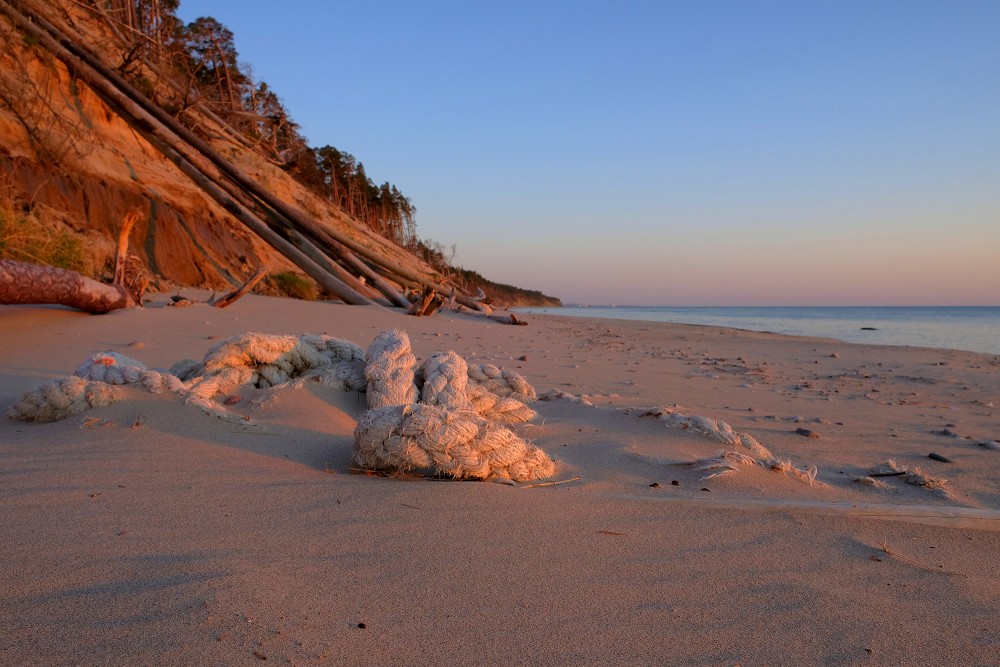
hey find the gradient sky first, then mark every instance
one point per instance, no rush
(666, 153)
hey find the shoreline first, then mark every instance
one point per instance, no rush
(933, 330)
(146, 531)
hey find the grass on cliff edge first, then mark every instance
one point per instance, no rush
(24, 237)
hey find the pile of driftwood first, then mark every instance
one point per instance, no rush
(348, 260)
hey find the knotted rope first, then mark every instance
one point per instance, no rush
(443, 432)
(498, 408)
(446, 379)
(450, 442)
(390, 370)
(115, 368)
(502, 382)
(63, 397)
(266, 360)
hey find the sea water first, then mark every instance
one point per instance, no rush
(959, 328)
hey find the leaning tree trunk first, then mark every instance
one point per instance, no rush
(22, 283)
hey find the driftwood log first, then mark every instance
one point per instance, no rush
(426, 303)
(231, 298)
(24, 283)
(508, 319)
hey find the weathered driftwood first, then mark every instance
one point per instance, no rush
(427, 303)
(121, 252)
(233, 296)
(508, 319)
(351, 233)
(23, 283)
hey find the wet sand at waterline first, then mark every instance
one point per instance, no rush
(147, 532)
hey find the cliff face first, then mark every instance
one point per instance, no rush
(64, 152)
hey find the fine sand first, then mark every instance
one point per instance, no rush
(150, 533)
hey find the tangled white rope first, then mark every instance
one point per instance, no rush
(445, 381)
(450, 432)
(266, 360)
(451, 442)
(390, 370)
(92, 385)
(61, 398)
(502, 382)
(720, 431)
(444, 432)
(115, 368)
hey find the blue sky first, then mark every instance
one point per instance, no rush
(666, 153)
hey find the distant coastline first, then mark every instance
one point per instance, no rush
(970, 328)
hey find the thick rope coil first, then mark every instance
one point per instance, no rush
(445, 381)
(61, 398)
(343, 375)
(498, 408)
(502, 382)
(390, 370)
(114, 368)
(186, 369)
(263, 360)
(454, 443)
(110, 367)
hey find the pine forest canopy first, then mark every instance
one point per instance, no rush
(202, 57)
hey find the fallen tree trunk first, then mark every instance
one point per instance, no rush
(378, 281)
(26, 283)
(23, 283)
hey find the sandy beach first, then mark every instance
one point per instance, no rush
(147, 532)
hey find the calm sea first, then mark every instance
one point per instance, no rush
(958, 328)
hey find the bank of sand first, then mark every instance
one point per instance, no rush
(147, 532)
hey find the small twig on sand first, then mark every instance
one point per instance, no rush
(563, 481)
(938, 569)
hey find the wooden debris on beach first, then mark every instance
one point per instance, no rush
(510, 318)
(229, 299)
(24, 283)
